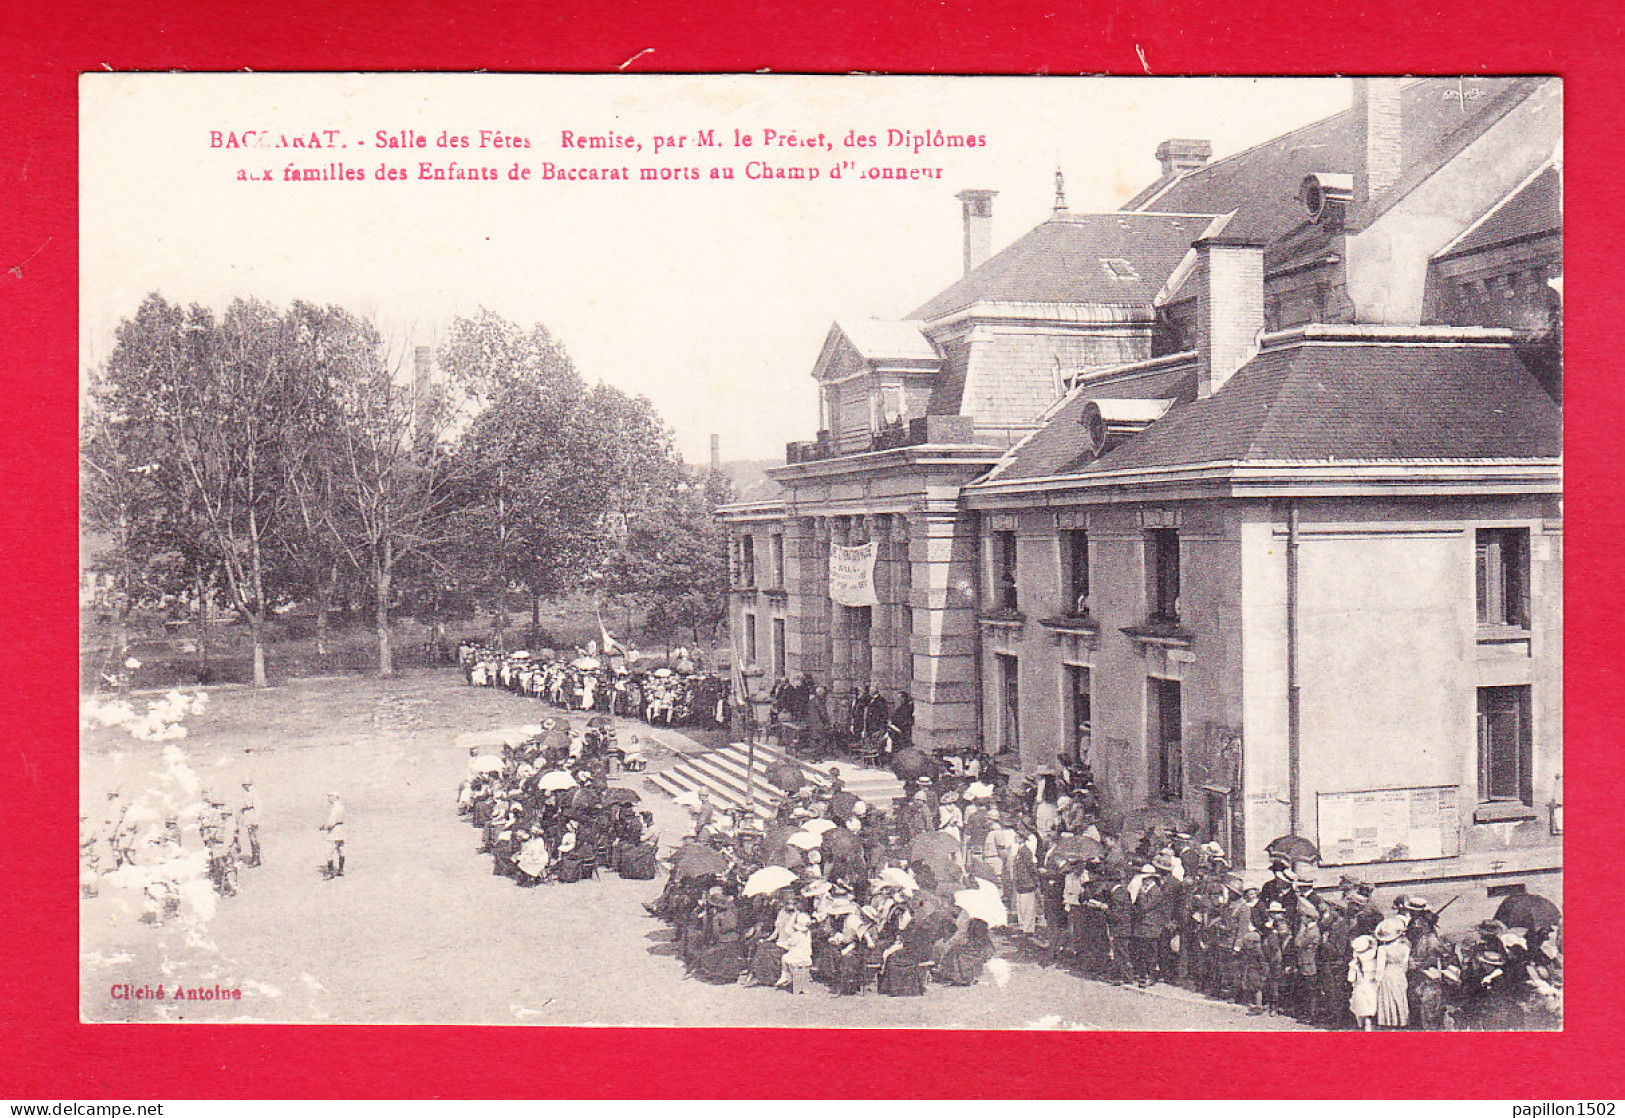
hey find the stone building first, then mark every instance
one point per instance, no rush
(1250, 492)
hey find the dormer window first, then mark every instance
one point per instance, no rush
(889, 406)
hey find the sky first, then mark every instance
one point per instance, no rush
(711, 296)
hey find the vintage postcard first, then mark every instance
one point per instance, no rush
(826, 552)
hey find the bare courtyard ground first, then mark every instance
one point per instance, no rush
(420, 931)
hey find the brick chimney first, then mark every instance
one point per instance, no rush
(1180, 157)
(978, 206)
(1380, 136)
(421, 362)
(1229, 308)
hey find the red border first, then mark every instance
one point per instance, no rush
(47, 1054)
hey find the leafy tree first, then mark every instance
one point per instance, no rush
(400, 480)
(207, 399)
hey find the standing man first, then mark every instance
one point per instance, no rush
(335, 836)
(248, 822)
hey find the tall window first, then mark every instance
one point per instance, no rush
(1009, 704)
(1080, 730)
(1503, 576)
(775, 549)
(747, 561)
(1075, 547)
(1505, 746)
(890, 405)
(1004, 571)
(1162, 572)
(750, 640)
(778, 647)
(1164, 718)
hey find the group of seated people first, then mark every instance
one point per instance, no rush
(674, 693)
(827, 891)
(873, 898)
(546, 813)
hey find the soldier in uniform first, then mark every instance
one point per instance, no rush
(248, 824)
(215, 825)
(334, 828)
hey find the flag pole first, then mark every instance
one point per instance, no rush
(742, 696)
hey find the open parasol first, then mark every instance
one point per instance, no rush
(805, 840)
(1080, 847)
(1294, 848)
(983, 903)
(818, 826)
(585, 664)
(487, 764)
(842, 843)
(699, 860)
(911, 762)
(934, 843)
(892, 877)
(555, 780)
(768, 879)
(1528, 910)
(786, 776)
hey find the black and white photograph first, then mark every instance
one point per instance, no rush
(826, 552)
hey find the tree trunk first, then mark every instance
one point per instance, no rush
(202, 628)
(382, 575)
(258, 624)
(324, 596)
(535, 613)
(258, 616)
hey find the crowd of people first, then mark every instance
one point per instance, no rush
(680, 692)
(895, 898)
(545, 810)
(833, 891)
(133, 842)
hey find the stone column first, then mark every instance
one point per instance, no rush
(942, 552)
(841, 678)
(806, 625)
(881, 639)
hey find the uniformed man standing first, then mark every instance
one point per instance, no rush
(248, 822)
(335, 836)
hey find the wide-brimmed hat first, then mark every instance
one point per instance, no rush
(1417, 904)
(1361, 944)
(1390, 930)
(1491, 927)
(1277, 909)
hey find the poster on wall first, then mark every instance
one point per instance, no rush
(1389, 825)
(852, 574)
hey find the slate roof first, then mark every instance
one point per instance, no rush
(1330, 402)
(1261, 184)
(878, 339)
(1078, 258)
(1534, 208)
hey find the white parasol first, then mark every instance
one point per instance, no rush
(768, 879)
(485, 765)
(556, 780)
(805, 840)
(983, 903)
(818, 826)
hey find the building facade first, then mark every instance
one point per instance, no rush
(1249, 493)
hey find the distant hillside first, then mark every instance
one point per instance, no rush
(750, 479)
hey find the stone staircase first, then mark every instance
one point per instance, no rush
(722, 772)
